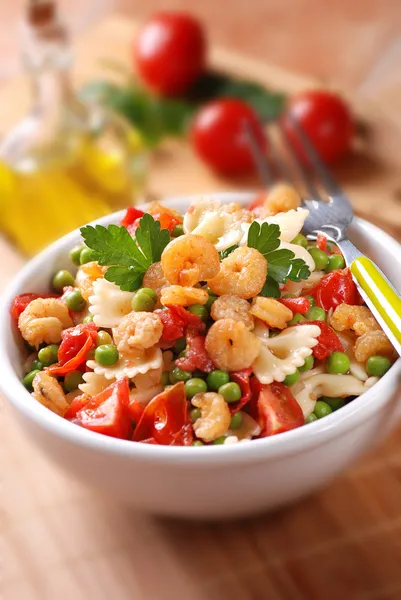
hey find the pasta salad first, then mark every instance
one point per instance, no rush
(218, 326)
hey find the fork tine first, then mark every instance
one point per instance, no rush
(262, 165)
(302, 171)
(279, 165)
(326, 177)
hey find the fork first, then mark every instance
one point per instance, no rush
(331, 218)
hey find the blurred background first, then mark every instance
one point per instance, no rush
(352, 44)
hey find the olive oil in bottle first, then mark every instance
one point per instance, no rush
(68, 162)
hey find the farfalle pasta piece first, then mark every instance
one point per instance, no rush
(290, 224)
(299, 252)
(109, 305)
(145, 361)
(145, 381)
(324, 384)
(94, 384)
(144, 396)
(356, 368)
(248, 429)
(281, 355)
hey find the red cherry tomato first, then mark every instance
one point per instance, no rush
(278, 410)
(243, 379)
(76, 405)
(336, 288)
(196, 356)
(132, 215)
(76, 343)
(328, 340)
(170, 52)
(219, 138)
(107, 412)
(327, 121)
(175, 320)
(21, 302)
(165, 419)
(297, 305)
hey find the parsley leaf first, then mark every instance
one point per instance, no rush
(264, 238)
(224, 253)
(127, 258)
(281, 263)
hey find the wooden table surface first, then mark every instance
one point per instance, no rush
(62, 541)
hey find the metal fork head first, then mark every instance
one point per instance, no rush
(330, 215)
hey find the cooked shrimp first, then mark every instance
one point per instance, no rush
(43, 320)
(357, 318)
(86, 277)
(231, 345)
(48, 391)
(137, 331)
(232, 307)
(242, 273)
(371, 343)
(281, 198)
(189, 259)
(215, 416)
(271, 312)
(183, 296)
(154, 278)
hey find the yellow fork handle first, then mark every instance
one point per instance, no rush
(380, 296)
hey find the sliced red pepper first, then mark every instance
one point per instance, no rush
(299, 305)
(107, 412)
(336, 288)
(76, 405)
(76, 343)
(242, 378)
(175, 319)
(165, 419)
(321, 242)
(22, 300)
(328, 340)
(196, 356)
(131, 215)
(278, 410)
(135, 410)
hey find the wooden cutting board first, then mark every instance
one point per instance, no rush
(62, 541)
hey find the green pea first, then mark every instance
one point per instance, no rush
(231, 392)
(28, 379)
(87, 255)
(106, 355)
(197, 443)
(195, 386)
(292, 379)
(377, 365)
(312, 417)
(75, 255)
(338, 363)
(75, 301)
(177, 230)
(316, 314)
(149, 292)
(322, 409)
(88, 319)
(194, 414)
(37, 365)
(236, 421)
(164, 379)
(219, 440)
(72, 381)
(48, 355)
(334, 403)
(62, 279)
(177, 375)
(311, 299)
(200, 311)
(297, 318)
(212, 298)
(180, 345)
(143, 301)
(300, 240)
(308, 364)
(216, 379)
(103, 338)
(336, 261)
(321, 259)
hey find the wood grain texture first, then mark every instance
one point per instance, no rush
(61, 541)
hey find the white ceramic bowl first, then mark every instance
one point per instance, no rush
(203, 482)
